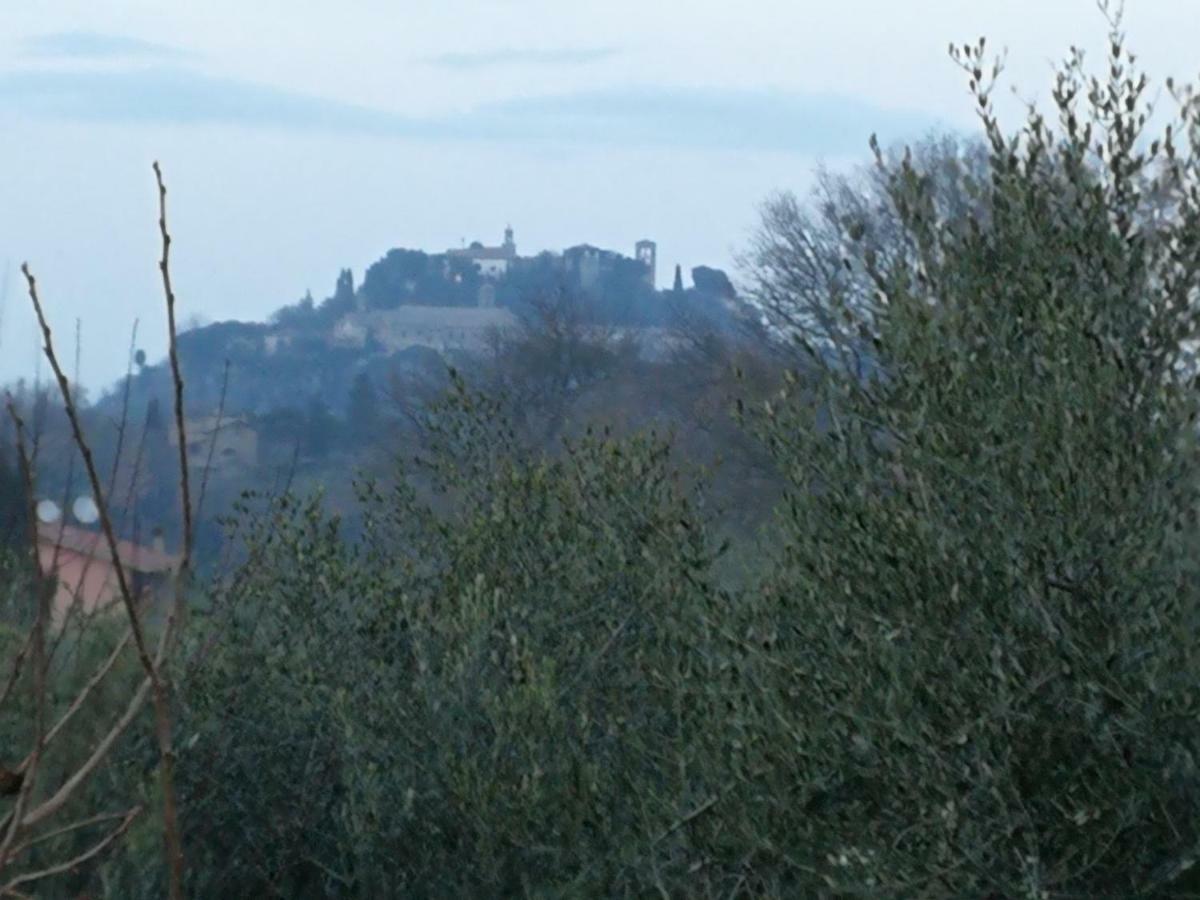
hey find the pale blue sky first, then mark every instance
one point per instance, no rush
(300, 137)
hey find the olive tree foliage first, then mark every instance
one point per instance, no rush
(503, 696)
(983, 666)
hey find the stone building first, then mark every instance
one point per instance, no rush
(441, 328)
(647, 254)
(231, 441)
(493, 262)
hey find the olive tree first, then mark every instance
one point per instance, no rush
(501, 693)
(978, 653)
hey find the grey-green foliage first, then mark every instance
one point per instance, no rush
(968, 670)
(503, 696)
(985, 676)
(12, 506)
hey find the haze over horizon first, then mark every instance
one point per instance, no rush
(301, 138)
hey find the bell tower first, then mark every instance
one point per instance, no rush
(647, 255)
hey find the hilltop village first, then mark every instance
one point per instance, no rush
(425, 310)
(321, 376)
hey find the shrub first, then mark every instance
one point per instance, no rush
(501, 696)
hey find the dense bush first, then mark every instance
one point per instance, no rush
(12, 506)
(506, 695)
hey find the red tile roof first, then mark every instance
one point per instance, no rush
(136, 557)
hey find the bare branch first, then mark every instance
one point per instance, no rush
(15, 673)
(112, 477)
(74, 863)
(101, 750)
(85, 692)
(212, 443)
(176, 378)
(49, 807)
(155, 684)
(93, 476)
(67, 829)
(162, 723)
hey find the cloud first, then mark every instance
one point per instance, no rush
(698, 118)
(711, 118)
(94, 45)
(174, 96)
(517, 57)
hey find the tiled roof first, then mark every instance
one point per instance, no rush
(136, 557)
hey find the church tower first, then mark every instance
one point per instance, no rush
(647, 255)
(510, 246)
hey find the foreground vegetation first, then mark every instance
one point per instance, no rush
(960, 662)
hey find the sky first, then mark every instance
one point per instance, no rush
(298, 138)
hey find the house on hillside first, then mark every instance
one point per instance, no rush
(225, 445)
(80, 561)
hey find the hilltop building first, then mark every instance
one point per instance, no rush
(647, 254)
(493, 262)
(588, 264)
(420, 320)
(221, 444)
(441, 328)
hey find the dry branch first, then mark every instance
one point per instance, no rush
(73, 863)
(155, 685)
(174, 843)
(81, 698)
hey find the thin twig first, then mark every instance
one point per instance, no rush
(134, 478)
(212, 443)
(77, 861)
(67, 829)
(81, 698)
(93, 476)
(683, 820)
(174, 843)
(121, 426)
(89, 766)
(173, 348)
(63, 794)
(155, 683)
